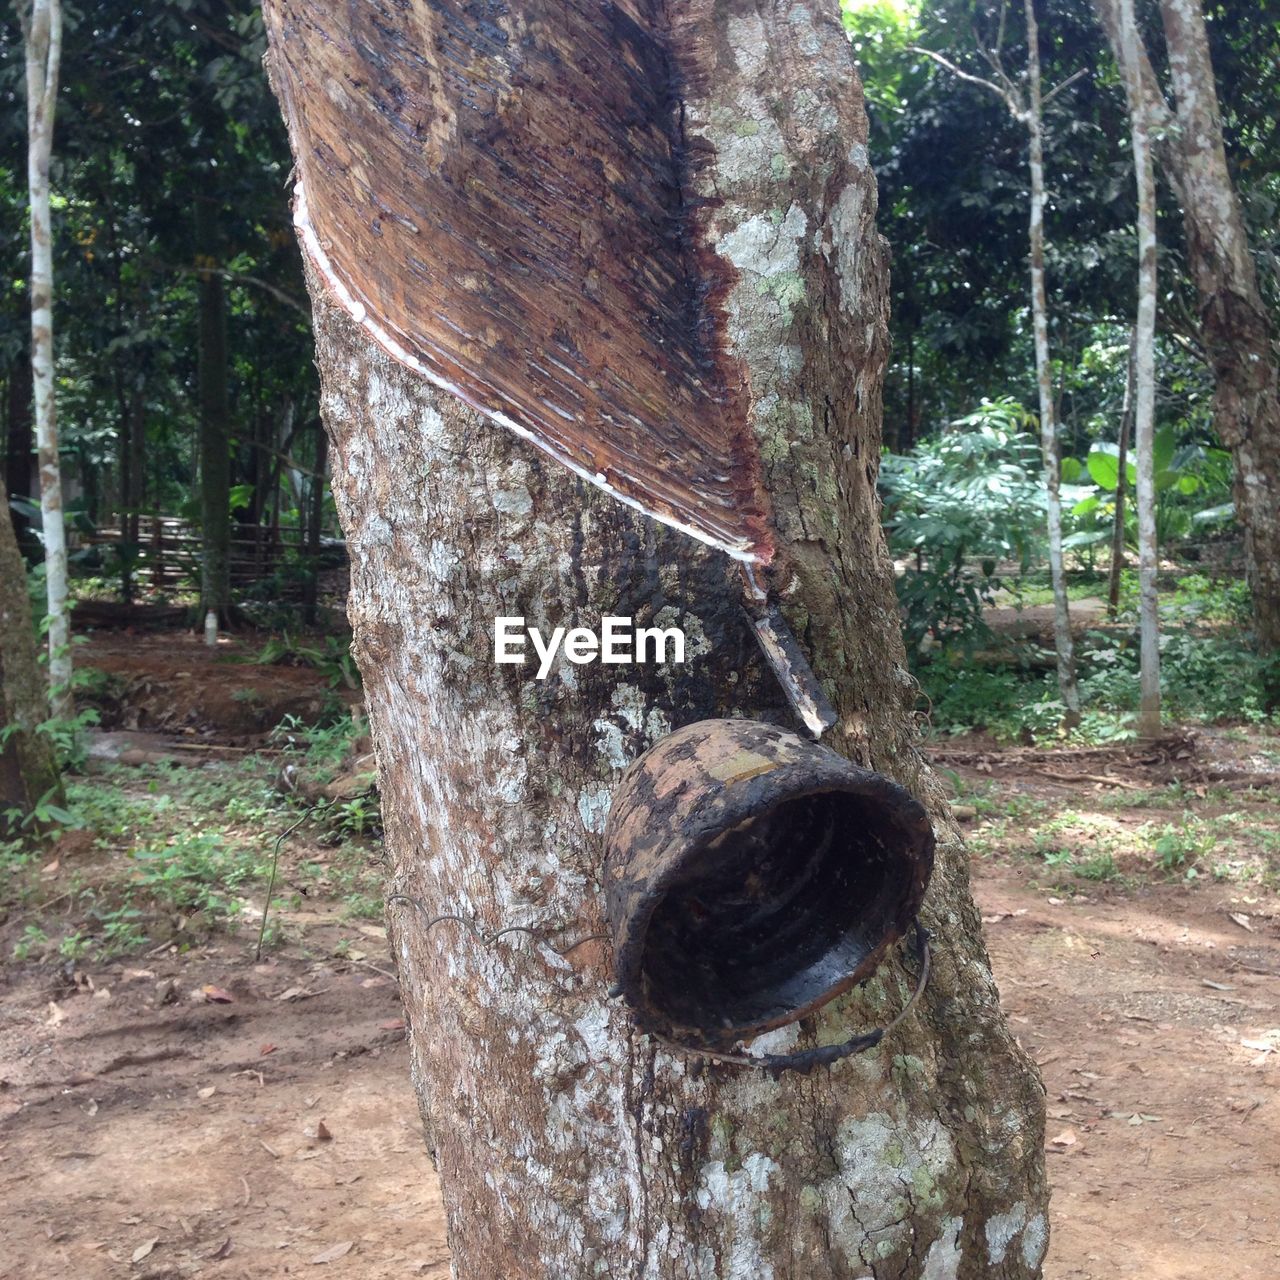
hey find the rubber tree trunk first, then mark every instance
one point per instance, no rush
(1144, 376)
(28, 767)
(1049, 449)
(1122, 485)
(1237, 329)
(568, 1144)
(20, 439)
(215, 420)
(42, 29)
(1239, 335)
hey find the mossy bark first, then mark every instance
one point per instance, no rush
(568, 1144)
(28, 766)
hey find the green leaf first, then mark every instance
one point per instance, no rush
(58, 814)
(1215, 515)
(1104, 466)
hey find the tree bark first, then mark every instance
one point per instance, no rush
(42, 29)
(20, 438)
(28, 766)
(569, 1144)
(1067, 685)
(1236, 326)
(1122, 484)
(215, 422)
(1144, 369)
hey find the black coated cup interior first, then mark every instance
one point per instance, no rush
(769, 915)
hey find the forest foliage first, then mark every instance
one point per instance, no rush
(170, 181)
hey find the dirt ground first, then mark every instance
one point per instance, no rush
(168, 1115)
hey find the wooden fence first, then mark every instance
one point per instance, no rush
(169, 551)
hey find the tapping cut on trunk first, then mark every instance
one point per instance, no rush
(501, 197)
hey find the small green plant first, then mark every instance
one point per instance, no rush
(197, 872)
(44, 817)
(956, 507)
(361, 815)
(122, 932)
(34, 941)
(75, 946)
(1179, 845)
(1100, 867)
(331, 656)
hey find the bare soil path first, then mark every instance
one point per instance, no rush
(177, 1114)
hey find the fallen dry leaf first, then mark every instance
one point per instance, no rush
(207, 1092)
(222, 1251)
(294, 993)
(322, 1132)
(392, 1024)
(144, 1249)
(1067, 1138)
(334, 1252)
(216, 995)
(56, 1014)
(266, 1049)
(1241, 919)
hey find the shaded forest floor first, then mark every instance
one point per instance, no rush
(171, 1106)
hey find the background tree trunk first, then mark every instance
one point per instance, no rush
(1122, 482)
(42, 29)
(567, 1143)
(1238, 333)
(1236, 326)
(315, 525)
(215, 422)
(1144, 367)
(1067, 685)
(28, 767)
(19, 472)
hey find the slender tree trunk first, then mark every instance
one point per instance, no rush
(315, 525)
(28, 767)
(215, 422)
(20, 437)
(1122, 482)
(1144, 348)
(136, 470)
(568, 1143)
(1237, 329)
(1044, 381)
(907, 434)
(42, 26)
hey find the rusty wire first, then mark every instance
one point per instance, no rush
(802, 1062)
(540, 933)
(823, 1055)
